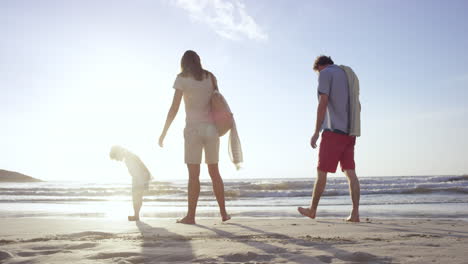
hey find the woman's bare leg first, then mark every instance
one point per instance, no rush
(218, 189)
(193, 193)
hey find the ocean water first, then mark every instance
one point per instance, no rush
(442, 197)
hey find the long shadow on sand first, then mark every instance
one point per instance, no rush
(327, 247)
(427, 231)
(160, 245)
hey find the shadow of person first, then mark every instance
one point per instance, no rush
(270, 251)
(426, 231)
(159, 245)
(266, 245)
(327, 245)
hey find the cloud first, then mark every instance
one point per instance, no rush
(228, 18)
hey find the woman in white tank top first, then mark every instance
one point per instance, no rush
(194, 84)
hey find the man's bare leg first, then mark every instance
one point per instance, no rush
(193, 193)
(319, 187)
(355, 193)
(137, 203)
(218, 189)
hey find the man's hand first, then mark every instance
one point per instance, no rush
(313, 140)
(161, 140)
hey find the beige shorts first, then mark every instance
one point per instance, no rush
(199, 137)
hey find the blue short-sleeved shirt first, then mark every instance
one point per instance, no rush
(333, 82)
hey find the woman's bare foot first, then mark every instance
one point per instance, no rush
(133, 218)
(186, 220)
(306, 212)
(226, 218)
(354, 219)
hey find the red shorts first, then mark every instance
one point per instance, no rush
(336, 148)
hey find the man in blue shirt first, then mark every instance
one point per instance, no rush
(336, 146)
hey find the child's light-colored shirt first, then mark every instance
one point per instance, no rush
(140, 174)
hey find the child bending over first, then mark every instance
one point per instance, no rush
(140, 177)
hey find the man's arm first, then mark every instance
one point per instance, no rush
(321, 110)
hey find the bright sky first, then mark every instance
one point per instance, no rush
(77, 77)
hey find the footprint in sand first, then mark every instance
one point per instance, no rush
(82, 246)
(325, 258)
(4, 255)
(47, 248)
(103, 255)
(361, 257)
(38, 253)
(249, 256)
(89, 235)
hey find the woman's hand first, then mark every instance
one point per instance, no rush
(161, 140)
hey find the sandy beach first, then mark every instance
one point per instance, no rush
(244, 240)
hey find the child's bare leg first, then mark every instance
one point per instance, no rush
(137, 203)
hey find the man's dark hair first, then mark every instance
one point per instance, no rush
(322, 60)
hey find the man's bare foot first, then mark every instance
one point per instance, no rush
(133, 218)
(306, 212)
(186, 220)
(226, 218)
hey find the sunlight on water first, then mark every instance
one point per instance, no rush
(381, 197)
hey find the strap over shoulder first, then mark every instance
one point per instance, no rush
(215, 86)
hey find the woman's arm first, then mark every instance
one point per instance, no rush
(171, 115)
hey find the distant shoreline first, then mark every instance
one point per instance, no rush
(12, 176)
